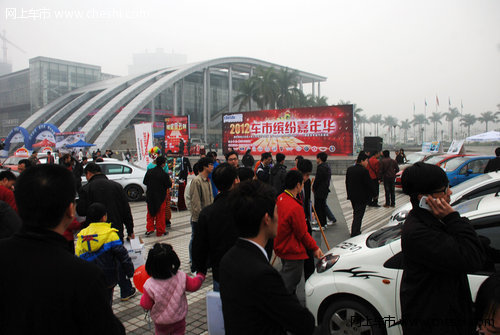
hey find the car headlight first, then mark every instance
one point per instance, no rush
(401, 216)
(326, 262)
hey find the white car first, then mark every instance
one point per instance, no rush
(125, 174)
(478, 186)
(355, 288)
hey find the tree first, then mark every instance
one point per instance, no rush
(390, 122)
(468, 120)
(450, 116)
(363, 120)
(420, 120)
(267, 87)
(488, 117)
(376, 119)
(435, 118)
(286, 82)
(405, 125)
(248, 92)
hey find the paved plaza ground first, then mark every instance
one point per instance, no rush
(132, 314)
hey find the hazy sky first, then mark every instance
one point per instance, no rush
(383, 55)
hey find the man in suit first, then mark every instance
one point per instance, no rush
(254, 297)
(321, 187)
(359, 190)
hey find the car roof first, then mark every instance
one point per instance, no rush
(479, 207)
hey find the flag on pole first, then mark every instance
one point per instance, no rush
(425, 102)
(449, 101)
(437, 100)
(413, 108)
(461, 103)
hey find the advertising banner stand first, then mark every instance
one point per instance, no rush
(457, 147)
(177, 134)
(144, 141)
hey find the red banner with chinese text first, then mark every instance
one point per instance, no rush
(176, 128)
(294, 131)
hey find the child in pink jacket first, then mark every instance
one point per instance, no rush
(165, 292)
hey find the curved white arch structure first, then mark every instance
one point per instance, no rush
(133, 93)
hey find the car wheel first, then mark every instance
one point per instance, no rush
(349, 316)
(134, 192)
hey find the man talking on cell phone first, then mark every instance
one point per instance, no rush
(439, 248)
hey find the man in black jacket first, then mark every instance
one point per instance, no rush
(157, 182)
(321, 187)
(215, 232)
(439, 249)
(493, 164)
(359, 191)
(47, 290)
(254, 297)
(263, 172)
(111, 194)
(278, 173)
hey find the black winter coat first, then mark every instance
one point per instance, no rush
(215, 233)
(321, 186)
(158, 182)
(493, 165)
(10, 222)
(437, 255)
(278, 173)
(48, 290)
(112, 196)
(358, 184)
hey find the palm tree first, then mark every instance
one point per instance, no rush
(405, 125)
(320, 101)
(488, 117)
(420, 120)
(363, 120)
(391, 122)
(376, 119)
(450, 116)
(435, 118)
(286, 82)
(468, 120)
(248, 92)
(267, 87)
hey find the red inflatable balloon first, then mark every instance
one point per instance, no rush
(140, 277)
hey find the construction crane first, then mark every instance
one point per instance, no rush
(4, 46)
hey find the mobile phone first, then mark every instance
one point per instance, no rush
(423, 203)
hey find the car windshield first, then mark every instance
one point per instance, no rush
(468, 206)
(435, 159)
(384, 236)
(454, 163)
(415, 157)
(470, 183)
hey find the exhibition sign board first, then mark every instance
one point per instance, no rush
(176, 128)
(292, 131)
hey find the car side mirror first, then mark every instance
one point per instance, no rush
(469, 171)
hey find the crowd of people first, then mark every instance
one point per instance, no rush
(240, 216)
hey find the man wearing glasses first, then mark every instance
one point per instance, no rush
(232, 158)
(439, 248)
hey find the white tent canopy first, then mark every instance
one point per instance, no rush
(490, 136)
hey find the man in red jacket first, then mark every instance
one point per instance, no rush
(293, 240)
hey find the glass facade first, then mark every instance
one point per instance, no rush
(51, 78)
(14, 100)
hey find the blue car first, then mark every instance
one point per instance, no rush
(460, 169)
